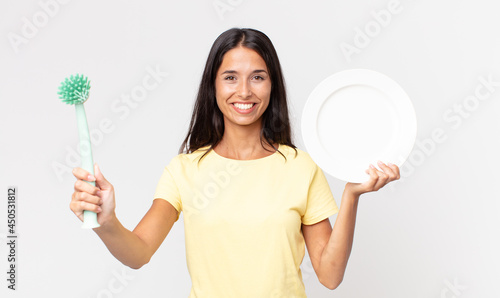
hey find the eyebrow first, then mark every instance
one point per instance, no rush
(234, 71)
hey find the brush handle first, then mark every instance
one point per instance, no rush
(89, 217)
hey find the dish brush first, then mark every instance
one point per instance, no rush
(75, 91)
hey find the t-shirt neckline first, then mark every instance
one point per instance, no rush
(249, 160)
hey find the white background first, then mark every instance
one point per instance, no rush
(434, 233)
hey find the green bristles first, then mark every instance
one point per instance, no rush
(74, 89)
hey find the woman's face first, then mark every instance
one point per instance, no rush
(242, 87)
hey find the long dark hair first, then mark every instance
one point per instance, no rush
(207, 122)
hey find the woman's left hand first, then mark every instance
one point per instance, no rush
(378, 179)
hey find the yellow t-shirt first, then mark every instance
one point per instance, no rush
(242, 220)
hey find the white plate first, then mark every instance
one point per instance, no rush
(353, 119)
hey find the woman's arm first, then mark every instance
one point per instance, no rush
(132, 248)
(135, 248)
(333, 258)
(329, 248)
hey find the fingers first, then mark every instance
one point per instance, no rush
(379, 179)
(82, 186)
(80, 173)
(79, 206)
(372, 171)
(395, 169)
(382, 180)
(390, 169)
(86, 192)
(81, 201)
(100, 180)
(87, 196)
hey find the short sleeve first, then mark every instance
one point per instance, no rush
(320, 201)
(167, 188)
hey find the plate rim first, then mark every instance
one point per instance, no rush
(333, 83)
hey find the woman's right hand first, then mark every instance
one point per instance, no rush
(99, 199)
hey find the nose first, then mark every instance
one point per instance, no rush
(244, 90)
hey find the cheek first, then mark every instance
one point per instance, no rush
(222, 91)
(265, 92)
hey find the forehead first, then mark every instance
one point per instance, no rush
(242, 58)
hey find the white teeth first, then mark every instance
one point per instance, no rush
(243, 106)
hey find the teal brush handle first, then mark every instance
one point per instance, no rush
(89, 217)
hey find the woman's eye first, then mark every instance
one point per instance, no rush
(258, 77)
(230, 78)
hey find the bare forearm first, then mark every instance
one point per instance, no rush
(123, 244)
(338, 249)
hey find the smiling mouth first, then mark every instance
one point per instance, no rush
(244, 107)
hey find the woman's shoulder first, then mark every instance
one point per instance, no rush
(190, 157)
(296, 154)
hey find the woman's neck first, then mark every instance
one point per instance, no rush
(243, 143)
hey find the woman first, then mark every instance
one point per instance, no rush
(251, 199)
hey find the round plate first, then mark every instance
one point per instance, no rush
(353, 119)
